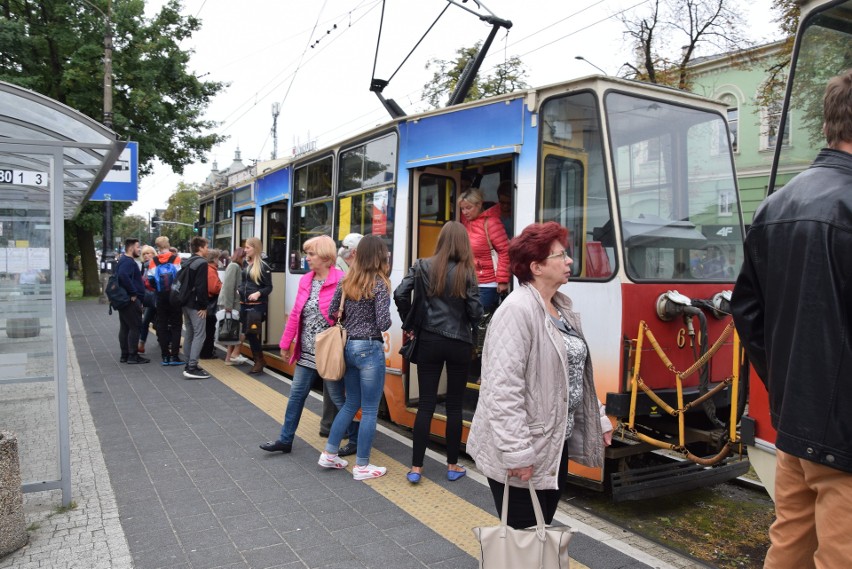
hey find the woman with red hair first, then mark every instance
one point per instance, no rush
(537, 404)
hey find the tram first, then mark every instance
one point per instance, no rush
(821, 51)
(641, 175)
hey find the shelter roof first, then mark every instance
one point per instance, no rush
(35, 125)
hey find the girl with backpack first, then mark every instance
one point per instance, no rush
(255, 288)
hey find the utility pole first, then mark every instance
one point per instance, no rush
(108, 255)
(276, 110)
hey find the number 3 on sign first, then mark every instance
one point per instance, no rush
(23, 177)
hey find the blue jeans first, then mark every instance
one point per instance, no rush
(303, 379)
(364, 382)
(488, 298)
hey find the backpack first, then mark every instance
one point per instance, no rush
(182, 292)
(164, 274)
(118, 297)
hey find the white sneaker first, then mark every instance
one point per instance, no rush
(331, 461)
(367, 472)
(238, 361)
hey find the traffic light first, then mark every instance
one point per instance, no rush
(155, 225)
(195, 228)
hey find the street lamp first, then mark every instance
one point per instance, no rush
(581, 58)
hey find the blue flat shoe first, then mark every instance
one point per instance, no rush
(413, 477)
(453, 475)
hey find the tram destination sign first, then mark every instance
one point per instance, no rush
(23, 177)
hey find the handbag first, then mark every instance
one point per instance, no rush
(229, 329)
(254, 320)
(542, 547)
(414, 318)
(328, 350)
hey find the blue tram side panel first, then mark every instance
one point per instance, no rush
(494, 128)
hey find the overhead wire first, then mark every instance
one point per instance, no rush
(422, 98)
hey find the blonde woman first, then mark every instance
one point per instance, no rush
(366, 314)
(486, 232)
(309, 317)
(255, 288)
(150, 310)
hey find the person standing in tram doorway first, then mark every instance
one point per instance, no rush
(366, 314)
(793, 310)
(486, 234)
(442, 323)
(255, 288)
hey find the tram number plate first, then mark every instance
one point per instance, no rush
(23, 177)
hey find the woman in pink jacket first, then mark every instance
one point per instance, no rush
(308, 318)
(486, 232)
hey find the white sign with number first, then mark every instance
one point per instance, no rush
(23, 177)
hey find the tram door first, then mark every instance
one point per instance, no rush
(433, 204)
(275, 241)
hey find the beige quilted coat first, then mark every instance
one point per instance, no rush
(523, 400)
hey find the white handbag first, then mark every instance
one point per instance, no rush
(542, 547)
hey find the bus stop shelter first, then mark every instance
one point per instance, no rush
(52, 158)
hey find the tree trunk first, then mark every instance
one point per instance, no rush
(91, 281)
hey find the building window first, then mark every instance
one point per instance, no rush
(734, 126)
(770, 120)
(726, 203)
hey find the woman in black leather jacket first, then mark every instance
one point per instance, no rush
(442, 315)
(255, 288)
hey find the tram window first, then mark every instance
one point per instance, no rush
(276, 239)
(309, 220)
(313, 181)
(573, 184)
(369, 213)
(223, 236)
(369, 164)
(669, 176)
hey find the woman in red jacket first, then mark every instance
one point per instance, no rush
(486, 232)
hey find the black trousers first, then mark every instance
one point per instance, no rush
(208, 350)
(169, 322)
(130, 320)
(521, 513)
(433, 352)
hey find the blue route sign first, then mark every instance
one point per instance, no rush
(122, 182)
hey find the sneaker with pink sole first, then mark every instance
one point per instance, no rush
(368, 471)
(331, 461)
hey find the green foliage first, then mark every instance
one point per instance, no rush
(507, 77)
(57, 48)
(182, 208)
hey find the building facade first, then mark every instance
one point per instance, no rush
(736, 79)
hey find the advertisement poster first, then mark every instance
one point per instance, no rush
(345, 218)
(380, 213)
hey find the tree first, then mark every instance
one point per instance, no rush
(56, 48)
(182, 208)
(671, 32)
(133, 226)
(507, 77)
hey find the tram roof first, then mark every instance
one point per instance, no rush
(35, 125)
(534, 96)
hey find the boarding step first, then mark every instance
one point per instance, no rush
(668, 479)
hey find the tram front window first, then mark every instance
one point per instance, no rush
(680, 220)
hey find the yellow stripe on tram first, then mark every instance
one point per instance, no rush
(446, 514)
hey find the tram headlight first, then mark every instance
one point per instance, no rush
(672, 304)
(722, 304)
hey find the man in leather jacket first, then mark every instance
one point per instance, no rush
(792, 306)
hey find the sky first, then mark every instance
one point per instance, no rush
(315, 58)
